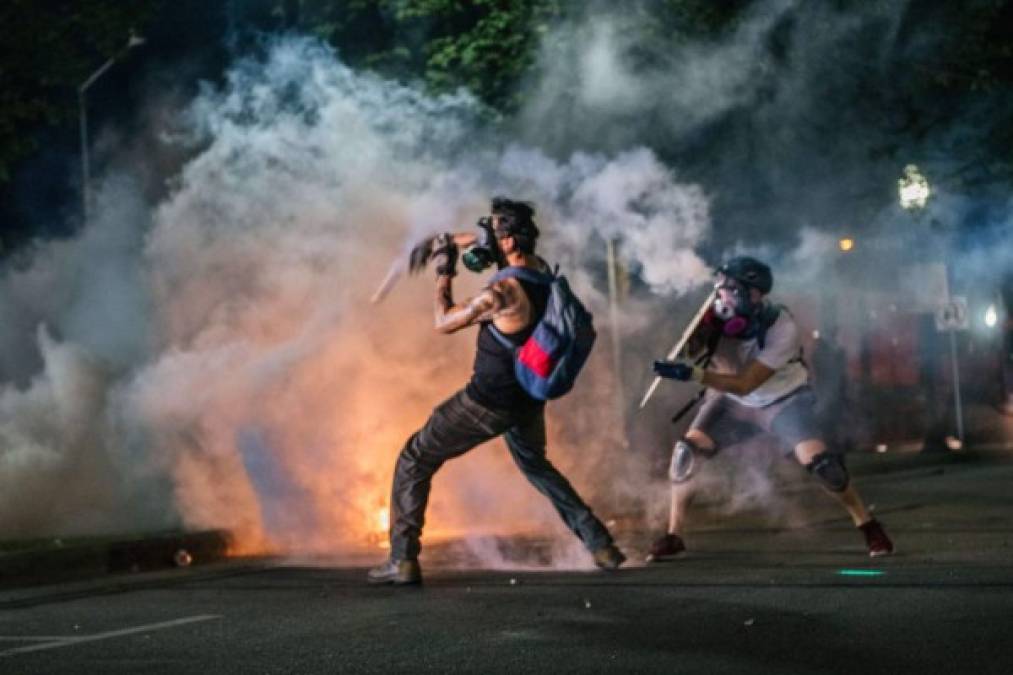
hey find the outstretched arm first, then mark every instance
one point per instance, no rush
(451, 317)
(463, 239)
(741, 383)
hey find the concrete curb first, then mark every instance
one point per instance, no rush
(59, 563)
(109, 584)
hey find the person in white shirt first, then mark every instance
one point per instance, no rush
(756, 382)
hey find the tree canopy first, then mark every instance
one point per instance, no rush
(49, 48)
(954, 60)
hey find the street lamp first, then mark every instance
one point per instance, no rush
(913, 192)
(132, 41)
(991, 316)
(913, 189)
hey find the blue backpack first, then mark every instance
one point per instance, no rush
(548, 362)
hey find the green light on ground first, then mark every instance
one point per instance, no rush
(860, 573)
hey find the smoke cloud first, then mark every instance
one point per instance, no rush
(211, 359)
(794, 121)
(215, 360)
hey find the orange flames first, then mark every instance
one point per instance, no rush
(279, 340)
(381, 523)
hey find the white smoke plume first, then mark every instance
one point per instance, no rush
(787, 120)
(213, 361)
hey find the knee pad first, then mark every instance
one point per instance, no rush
(685, 456)
(830, 470)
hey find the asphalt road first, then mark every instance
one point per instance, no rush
(749, 598)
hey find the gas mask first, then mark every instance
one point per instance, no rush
(738, 315)
(484, 252)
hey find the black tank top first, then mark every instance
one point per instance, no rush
(493, 383)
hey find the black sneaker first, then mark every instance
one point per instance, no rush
(666, 547)
(608, 557)
(397, 572)
(875, 539)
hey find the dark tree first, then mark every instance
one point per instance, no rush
(48, 49)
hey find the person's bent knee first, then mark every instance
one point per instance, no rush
(830, 470)
(686, 457)
(414, 461)
(411, 451)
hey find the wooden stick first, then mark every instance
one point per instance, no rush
(394, 273)
(681, 343)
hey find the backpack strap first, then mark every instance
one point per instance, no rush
(800, 358)
(766, 319)
(500, 338)
(524, 273)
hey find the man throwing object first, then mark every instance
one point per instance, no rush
(493, 402)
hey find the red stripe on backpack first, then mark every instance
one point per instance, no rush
(535, 358)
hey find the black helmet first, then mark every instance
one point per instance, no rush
(749, 272)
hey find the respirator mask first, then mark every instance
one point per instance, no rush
(484, 252)
(734, 308)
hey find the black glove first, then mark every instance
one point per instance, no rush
(445, 255)
(678, 370)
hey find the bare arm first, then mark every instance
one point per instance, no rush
(463, 239)
(742, 382)
(452, 317)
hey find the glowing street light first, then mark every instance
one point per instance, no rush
(991, 316)
(846, 244)
(913, 188)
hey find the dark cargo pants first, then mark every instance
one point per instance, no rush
(456, 426)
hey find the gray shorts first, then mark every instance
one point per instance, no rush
(791, 419)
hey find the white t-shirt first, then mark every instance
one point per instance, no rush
(782, 351)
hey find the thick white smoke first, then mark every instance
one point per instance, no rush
(787, 118)
(594, 71)
(213, 359)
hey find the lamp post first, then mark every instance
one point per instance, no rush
(132, 41)
(913, 191)
(614, 271)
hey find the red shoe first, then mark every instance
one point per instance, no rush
(876, 539)
(666, 547)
